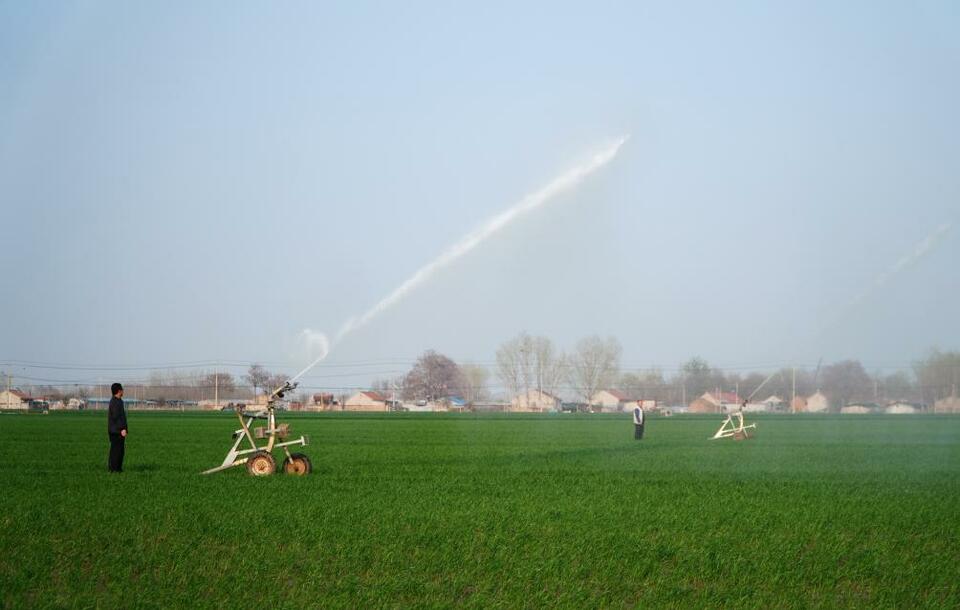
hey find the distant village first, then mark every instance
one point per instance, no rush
(532, 401)
(529, 375)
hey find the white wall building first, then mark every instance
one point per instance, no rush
(535, 401)
(14, 399)
(951, 404)
(611, 401)
(815, 403)
(900, 408)
(856, 410)
(366, 401)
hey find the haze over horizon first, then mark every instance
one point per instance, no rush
(187, 183)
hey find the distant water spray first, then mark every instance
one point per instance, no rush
(316, 345)
(906, 261)
(559, 185)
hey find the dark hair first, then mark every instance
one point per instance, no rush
(116, 387)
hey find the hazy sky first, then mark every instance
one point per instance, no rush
(201, 181)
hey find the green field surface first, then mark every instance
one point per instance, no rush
(434, 510)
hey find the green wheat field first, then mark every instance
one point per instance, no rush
(435, 510)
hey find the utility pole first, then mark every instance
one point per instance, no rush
(526, 378)
(539, 377)
(683, 389)
(793, 403)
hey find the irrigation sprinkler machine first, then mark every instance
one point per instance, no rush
(733, 427)
(259, 458)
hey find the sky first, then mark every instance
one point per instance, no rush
(199, 182)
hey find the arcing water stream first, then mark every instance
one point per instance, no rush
(559, 185)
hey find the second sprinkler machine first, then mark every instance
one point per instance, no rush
(733, 427)
(259, 459)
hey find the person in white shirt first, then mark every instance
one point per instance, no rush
(638, 421)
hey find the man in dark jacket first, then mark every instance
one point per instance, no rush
(116, 428)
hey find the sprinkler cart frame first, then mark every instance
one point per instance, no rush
(259, 460)
(733, 429)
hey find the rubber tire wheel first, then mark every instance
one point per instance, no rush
(297, 464)
(261, 464)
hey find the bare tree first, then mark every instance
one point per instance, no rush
(595, 365)
(938, 375)
(274, 382)
(391, 388)
(648, 385)
(510, 366)
(898, 386)
(434, 377)
(220, 382)
(476, 377)
(549, 366)
(526, 363)
(257, 376)
(699, 377)
(847, 381)
(631, 384)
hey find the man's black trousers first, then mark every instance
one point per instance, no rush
(116, 453)
(637, 431)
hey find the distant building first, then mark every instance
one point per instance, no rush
(859, 409)
(457, 404)
(702, 405)
(260, 400)
(611, 401)
(96, 402)
(322, 402)
(815, 403)
(901, 408)
(755, 407)
(774, 403)
(14, 399)
(950, 404)
(491, 407)
(535, 401)
(366, 401)
(715, 402)
(575, 407)
(649, 405)
(137, 404)
(218, 405)
(73, 404)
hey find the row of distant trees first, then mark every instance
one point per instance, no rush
(177, 385)
(528, 362)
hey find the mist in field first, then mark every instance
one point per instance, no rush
(189, 184)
